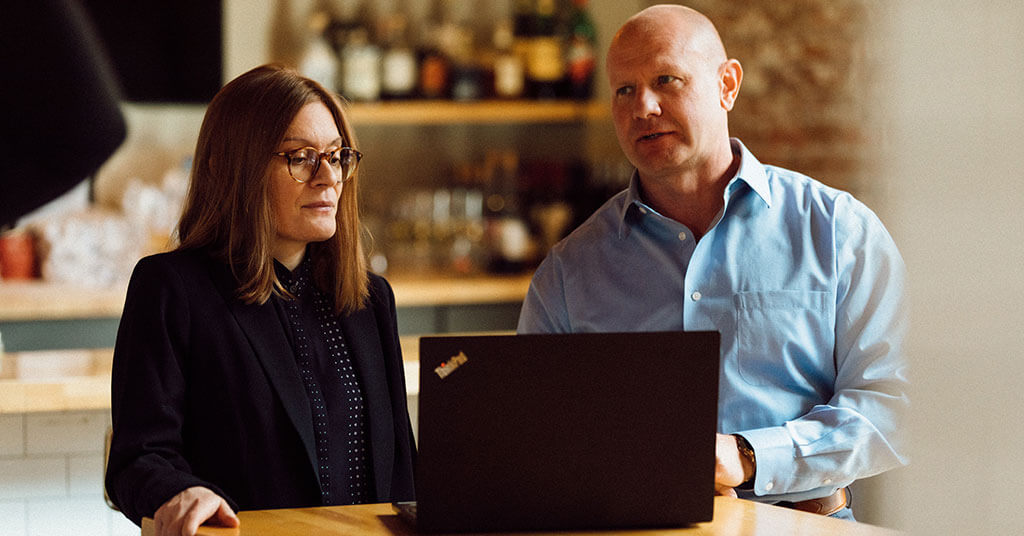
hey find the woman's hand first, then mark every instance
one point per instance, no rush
(183, 513)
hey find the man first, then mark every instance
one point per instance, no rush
(802, 281)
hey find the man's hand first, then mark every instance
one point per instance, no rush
(183, 513)
(731, 468)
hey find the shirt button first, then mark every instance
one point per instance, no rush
(682, 236)
(643, 210)
(827, 481)
(695, 296)
(769, 486)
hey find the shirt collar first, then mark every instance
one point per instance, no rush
(295, 280)
(750, 172)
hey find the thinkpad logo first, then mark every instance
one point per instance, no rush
(449, 366)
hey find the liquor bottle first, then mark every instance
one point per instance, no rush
(435, 66)
(581, 52)
(319, 61)
(344, 19)
(465, 253)
(360, 67)
(545, 63)
(455, 40)
(399, 74)
(522, 29)
(507, 69)
(508, 239)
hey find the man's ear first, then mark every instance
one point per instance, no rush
(730, 77)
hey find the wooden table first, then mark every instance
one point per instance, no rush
(733, 517)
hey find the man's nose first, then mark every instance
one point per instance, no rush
(648, 103)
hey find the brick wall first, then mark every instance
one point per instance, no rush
(804, 101)
(51, 476)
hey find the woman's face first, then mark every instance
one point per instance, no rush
(305, 212)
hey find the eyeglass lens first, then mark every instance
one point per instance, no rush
(304, 163)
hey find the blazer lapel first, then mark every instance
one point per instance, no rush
(262, 326)
(362, 336)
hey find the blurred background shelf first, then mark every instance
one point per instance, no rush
(39, 300)
(58, 380)
(79, 380)
(443, 112)
(43, 316)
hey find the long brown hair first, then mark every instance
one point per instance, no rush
(227, 209)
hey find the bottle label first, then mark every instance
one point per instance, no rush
(513, 239)
(581, 60)
(362, 74)
(398, 75)
(433, 77)
(508, 76)
(545, 60)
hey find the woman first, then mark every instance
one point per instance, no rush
(257, 365)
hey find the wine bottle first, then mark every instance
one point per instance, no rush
(360, 67)
(581, 52)
(545, 64)
(508, 66)
(398, 61)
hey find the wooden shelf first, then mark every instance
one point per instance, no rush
(440, 112)
(39, 300)
(413, 291)
(79, 380)
(64, 394)
(62, 380)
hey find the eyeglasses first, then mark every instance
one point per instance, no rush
(305, 162)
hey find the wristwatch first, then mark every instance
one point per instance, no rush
(747, 452)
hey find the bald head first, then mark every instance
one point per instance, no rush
(672, 88)
(689, 29)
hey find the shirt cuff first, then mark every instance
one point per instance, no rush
(776, 464)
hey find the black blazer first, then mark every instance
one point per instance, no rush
(206, 392)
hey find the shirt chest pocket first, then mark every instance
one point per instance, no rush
(786, 338)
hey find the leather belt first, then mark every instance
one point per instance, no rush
(825, 506)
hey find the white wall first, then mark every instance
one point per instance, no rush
(954, 176)
(51, 476)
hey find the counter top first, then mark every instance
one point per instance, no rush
(73, 380)
(36, 300)
(733, 517)
(60, 380)
(62, 394)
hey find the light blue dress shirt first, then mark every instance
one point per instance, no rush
(805, 286)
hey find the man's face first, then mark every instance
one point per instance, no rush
(667, 102)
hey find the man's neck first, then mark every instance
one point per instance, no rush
(693, 198)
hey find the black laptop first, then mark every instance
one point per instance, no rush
(569, 431)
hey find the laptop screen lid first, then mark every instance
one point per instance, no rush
(566, 431)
